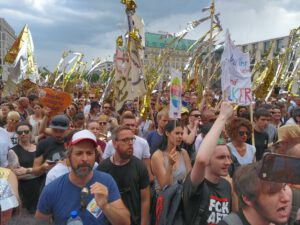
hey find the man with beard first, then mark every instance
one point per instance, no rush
(131, 175)
(261, 202)
(51, 149)
(93, 194)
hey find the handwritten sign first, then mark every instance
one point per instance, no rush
(55, 100)
(236, 74)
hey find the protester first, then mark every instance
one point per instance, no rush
(261, 202)
(22, 106)
(35, 121)
(155, 137)
(64, 194)
(51, 149)
(130, 174)
(29, 185)
(206, 182)
(94, 112)
(170, 163)
(239, 130)
(13, 119)
(261, 120)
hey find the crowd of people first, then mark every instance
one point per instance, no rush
(110, 165)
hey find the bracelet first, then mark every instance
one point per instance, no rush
(28, 170)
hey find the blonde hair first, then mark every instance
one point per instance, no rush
(13, 115)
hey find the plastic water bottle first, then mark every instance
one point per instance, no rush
(74, 219)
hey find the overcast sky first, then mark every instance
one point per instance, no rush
(91, 26)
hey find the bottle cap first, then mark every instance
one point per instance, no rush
(74, 214)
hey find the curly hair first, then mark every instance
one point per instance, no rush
(233, 127)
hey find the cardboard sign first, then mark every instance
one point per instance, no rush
(55, 100)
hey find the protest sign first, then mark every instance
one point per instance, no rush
(236, 75)
(175, 94)
(55, 100)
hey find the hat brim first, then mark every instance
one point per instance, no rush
(58, 127)
(84, 139)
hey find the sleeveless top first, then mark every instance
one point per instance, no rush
(178, 174)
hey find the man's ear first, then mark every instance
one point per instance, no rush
(247, 201)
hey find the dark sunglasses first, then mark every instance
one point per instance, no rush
(20, 132)
(242, 133)
(83, 198)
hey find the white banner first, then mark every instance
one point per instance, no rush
(175, 94)
(236, 75)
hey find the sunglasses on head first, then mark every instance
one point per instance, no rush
(20, 132)
(242, 133)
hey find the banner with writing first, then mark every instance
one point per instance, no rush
(236, 74)
(175, 94)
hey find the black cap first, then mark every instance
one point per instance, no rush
(60, 122)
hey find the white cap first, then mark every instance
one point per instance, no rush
(83, 135)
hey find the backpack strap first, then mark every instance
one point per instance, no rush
(233, 219)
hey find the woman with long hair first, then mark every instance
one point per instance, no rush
(239, 131)
(170, 163)
(35, 121)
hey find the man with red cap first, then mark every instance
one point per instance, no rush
(93, 194)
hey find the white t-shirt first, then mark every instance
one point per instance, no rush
(5, 145)
(247, 158)
(141, 149)
(58, 170)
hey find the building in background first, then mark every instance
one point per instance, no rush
(7, 38)
(155, 42)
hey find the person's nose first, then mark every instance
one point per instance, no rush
(285, 194)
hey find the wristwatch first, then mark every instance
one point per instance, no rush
(28, 170)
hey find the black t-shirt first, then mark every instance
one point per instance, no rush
(50, 149)
(218, 195)
(130, 178)
(26, 158)
(261, 144)
(242, 217)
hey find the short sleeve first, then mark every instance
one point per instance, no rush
(144, 176)
(109, 150)
(45, 202)
(40, 148)
(146, 150)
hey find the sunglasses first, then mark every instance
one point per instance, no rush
(20, 132)
(242, 133)
(14, 121)
(83, 198)
(196, 115)
(102, 123)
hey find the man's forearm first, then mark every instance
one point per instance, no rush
(145, 208)
(117, 216)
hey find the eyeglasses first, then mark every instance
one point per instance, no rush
(127, 140)
(83, 198)
(196, 115)
(103, 123)
(242, 133)
(20, 132)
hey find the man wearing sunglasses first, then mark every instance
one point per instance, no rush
(131, 175)
(93, 194)
(51, 149)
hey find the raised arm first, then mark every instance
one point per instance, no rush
(209, 144)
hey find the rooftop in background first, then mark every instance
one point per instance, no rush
(155, 40)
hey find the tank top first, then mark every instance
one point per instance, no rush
(178, 174)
